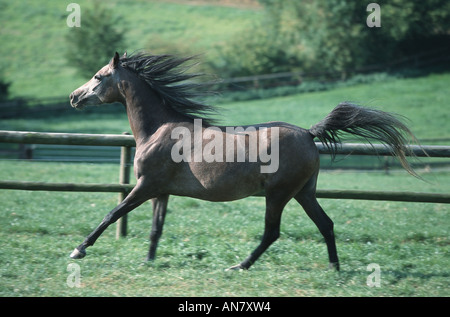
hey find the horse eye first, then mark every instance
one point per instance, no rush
(98, 77)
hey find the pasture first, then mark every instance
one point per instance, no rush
(409, 241)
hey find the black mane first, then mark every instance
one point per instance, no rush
(167, 75)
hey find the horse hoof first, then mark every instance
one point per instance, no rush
(235, 268)
(78, 254)
(333, 266)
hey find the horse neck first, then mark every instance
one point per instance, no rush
(146, 111)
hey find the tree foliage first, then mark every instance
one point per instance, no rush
(92, 45)
(332, 36)
(4, 89)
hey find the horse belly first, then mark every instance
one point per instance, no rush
(220, 181)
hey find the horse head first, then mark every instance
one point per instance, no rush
(102, 88)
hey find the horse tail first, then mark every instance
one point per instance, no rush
(369, 124)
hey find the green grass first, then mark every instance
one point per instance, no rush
(38, 230)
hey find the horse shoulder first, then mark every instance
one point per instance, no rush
(153, 156)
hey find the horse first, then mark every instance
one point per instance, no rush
(160, 98)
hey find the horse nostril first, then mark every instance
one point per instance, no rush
(73, 98)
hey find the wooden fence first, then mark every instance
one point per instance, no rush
(126, 142)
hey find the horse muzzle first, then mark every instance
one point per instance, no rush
(80, 100)
(74, 100)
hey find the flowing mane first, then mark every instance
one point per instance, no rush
(167, 76)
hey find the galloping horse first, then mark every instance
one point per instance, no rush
(160, 100)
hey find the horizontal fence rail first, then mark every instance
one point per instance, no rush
(321, 193)
(67, 138)
(128, 141)
(382, 150)
(67, 187)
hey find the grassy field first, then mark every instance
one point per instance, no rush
(409, 241)
(38, 230)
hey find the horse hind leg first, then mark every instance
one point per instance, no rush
(307, 199)
(159, 214)
(274, 209)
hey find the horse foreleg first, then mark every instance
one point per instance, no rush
(159, 214)
(136, 197)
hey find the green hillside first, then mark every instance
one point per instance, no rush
(33, 44)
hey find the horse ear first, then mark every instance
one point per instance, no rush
(124, 55)
(114, 61)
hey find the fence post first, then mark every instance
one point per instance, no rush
(124, 178)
